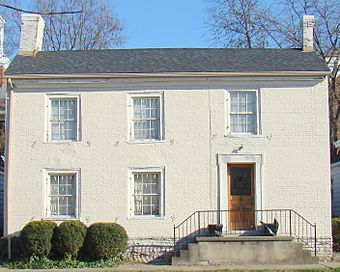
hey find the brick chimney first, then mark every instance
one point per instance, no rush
(32, 33)
(308, 23)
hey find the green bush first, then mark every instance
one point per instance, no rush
(105, 241)
(16, 248)
(3, 248)
(68, 238)
(36, 238)
(336, 233)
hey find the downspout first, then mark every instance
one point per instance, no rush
(8, 123)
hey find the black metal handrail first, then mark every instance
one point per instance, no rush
(244, 222)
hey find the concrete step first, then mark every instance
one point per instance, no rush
(188, 256)
(309, 258)
(240, 251)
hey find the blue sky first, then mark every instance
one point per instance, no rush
(163, 23)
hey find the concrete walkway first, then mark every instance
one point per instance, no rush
(146, 267)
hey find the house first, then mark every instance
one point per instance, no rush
(147, 137)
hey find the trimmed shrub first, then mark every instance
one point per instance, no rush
(36, 238)
(105, 241)
(68, 238)
(336, 234)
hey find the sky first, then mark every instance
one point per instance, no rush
(163, 23)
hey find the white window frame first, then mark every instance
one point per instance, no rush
(49, 99)
(132, 96)
(132, 171)
(47, 173)
(228, 113)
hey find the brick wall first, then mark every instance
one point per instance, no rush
(294, 144)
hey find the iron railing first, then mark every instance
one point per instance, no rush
(244, 222)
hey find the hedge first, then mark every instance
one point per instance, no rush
(336, 233)
(68, 238)
(16, 248)
(105, 241)
(36, 238)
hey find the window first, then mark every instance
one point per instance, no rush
(62, 194)
(146, 118)
(147, 192)
(243, 112)
(63, 119)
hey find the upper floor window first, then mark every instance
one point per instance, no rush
(64, 119)
(243, 112)
(146, 118)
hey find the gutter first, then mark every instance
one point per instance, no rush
(168, 74)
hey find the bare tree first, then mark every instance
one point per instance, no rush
(235, 23)
(96, 27)
(12, 28)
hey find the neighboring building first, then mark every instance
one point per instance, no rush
(145, 137)
(335, 189)
(4, 62)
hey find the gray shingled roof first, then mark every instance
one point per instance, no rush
(167, 60)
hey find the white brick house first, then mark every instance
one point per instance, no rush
(146, 137)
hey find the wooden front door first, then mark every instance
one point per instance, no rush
(241, 196)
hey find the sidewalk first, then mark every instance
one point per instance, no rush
(146, 267)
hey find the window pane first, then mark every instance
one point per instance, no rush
(234, 124)
(251, 123)
(138, 187)
(55, 131)
(55, 110)
(138, 205)
(146, 210)
(54, 205)
(251, 102)
(155, 207)
(242, 101)
(240, 180)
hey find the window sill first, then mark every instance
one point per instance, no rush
(146, 217)
(146, 142)
(243, 135)
(59, 218)
(62, 142)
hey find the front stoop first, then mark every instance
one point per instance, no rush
(245, 250)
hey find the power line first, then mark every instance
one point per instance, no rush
(40, 12)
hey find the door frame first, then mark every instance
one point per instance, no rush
(222, 181)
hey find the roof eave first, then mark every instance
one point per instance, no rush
(168, 74)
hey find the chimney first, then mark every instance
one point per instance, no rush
(308, 23)
(32, 33)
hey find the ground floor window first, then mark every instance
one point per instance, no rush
(62, 194)
(147, 195)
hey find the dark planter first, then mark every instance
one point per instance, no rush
(215, 230)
